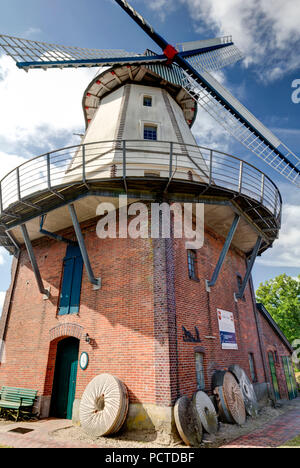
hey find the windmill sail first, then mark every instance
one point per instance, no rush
(214, 60)
(203, 43)
(227, 110)
(210, 54)
(33, 54)
(243, 125)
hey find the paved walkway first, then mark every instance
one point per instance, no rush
(271, 435)
(39, 436)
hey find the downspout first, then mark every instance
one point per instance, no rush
(260, 340)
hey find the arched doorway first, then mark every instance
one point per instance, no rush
(64, 384)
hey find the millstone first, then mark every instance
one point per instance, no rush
(230, 401)
(206, 412)
(223, 412)
(187, 424)
(247, 389)
(218, 379)
(104, 406)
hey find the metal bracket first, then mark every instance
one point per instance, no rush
(223, 254)
(53, 235)
(251, 262)
(95, 281)
(37, 274)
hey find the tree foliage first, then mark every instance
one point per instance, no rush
(281, 298)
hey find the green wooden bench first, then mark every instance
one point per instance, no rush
(17, 399)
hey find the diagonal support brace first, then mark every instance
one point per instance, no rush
(251, 262)
(33, 261)
(95, 281)
(223, 254)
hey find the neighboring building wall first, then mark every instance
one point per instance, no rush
(272, 343)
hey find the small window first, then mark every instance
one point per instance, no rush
(71, 282)
(150, 132)
(147, 101)
(192, 264)
(252, 367)
(200, 371)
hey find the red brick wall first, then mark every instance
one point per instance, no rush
(146, 296)
(119, 317)
(196, 307)
(273, 343)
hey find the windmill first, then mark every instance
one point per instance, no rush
(138, 146)
(194, 61)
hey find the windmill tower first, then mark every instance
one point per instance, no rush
(146, 310)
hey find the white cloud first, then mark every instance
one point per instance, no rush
(266, 31)
(39, 106)
(286, 250)
(8, 162)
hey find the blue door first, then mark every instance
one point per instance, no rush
(71, 282)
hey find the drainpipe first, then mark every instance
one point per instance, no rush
(260, 339)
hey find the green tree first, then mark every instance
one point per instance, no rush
(281, 298)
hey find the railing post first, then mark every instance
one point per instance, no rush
(262, 192)
(276, 202)
(84, 167)
(1, 200)
(210, 167)
(48, 172)
(171, 161)
(124, 164)
(18, 183)
(241, 176)
(49, 179)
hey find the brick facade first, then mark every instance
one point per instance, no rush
(135, 320)
(273, 344)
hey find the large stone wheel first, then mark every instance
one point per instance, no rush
(104, 406)
(189, 428)
(247, 389)
(206, 412)
(218, 379)
(230, 401)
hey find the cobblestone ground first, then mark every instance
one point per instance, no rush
(272, 434)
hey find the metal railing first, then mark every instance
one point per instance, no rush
(92, 162)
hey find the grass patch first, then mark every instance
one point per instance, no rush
(4, 446)
(292, 443)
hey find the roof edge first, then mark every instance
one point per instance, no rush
(261, 308)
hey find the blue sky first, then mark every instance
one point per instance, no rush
(40, 111)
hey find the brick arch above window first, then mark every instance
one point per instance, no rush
(66, 329)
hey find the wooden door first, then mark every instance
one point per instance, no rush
(64, 384)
